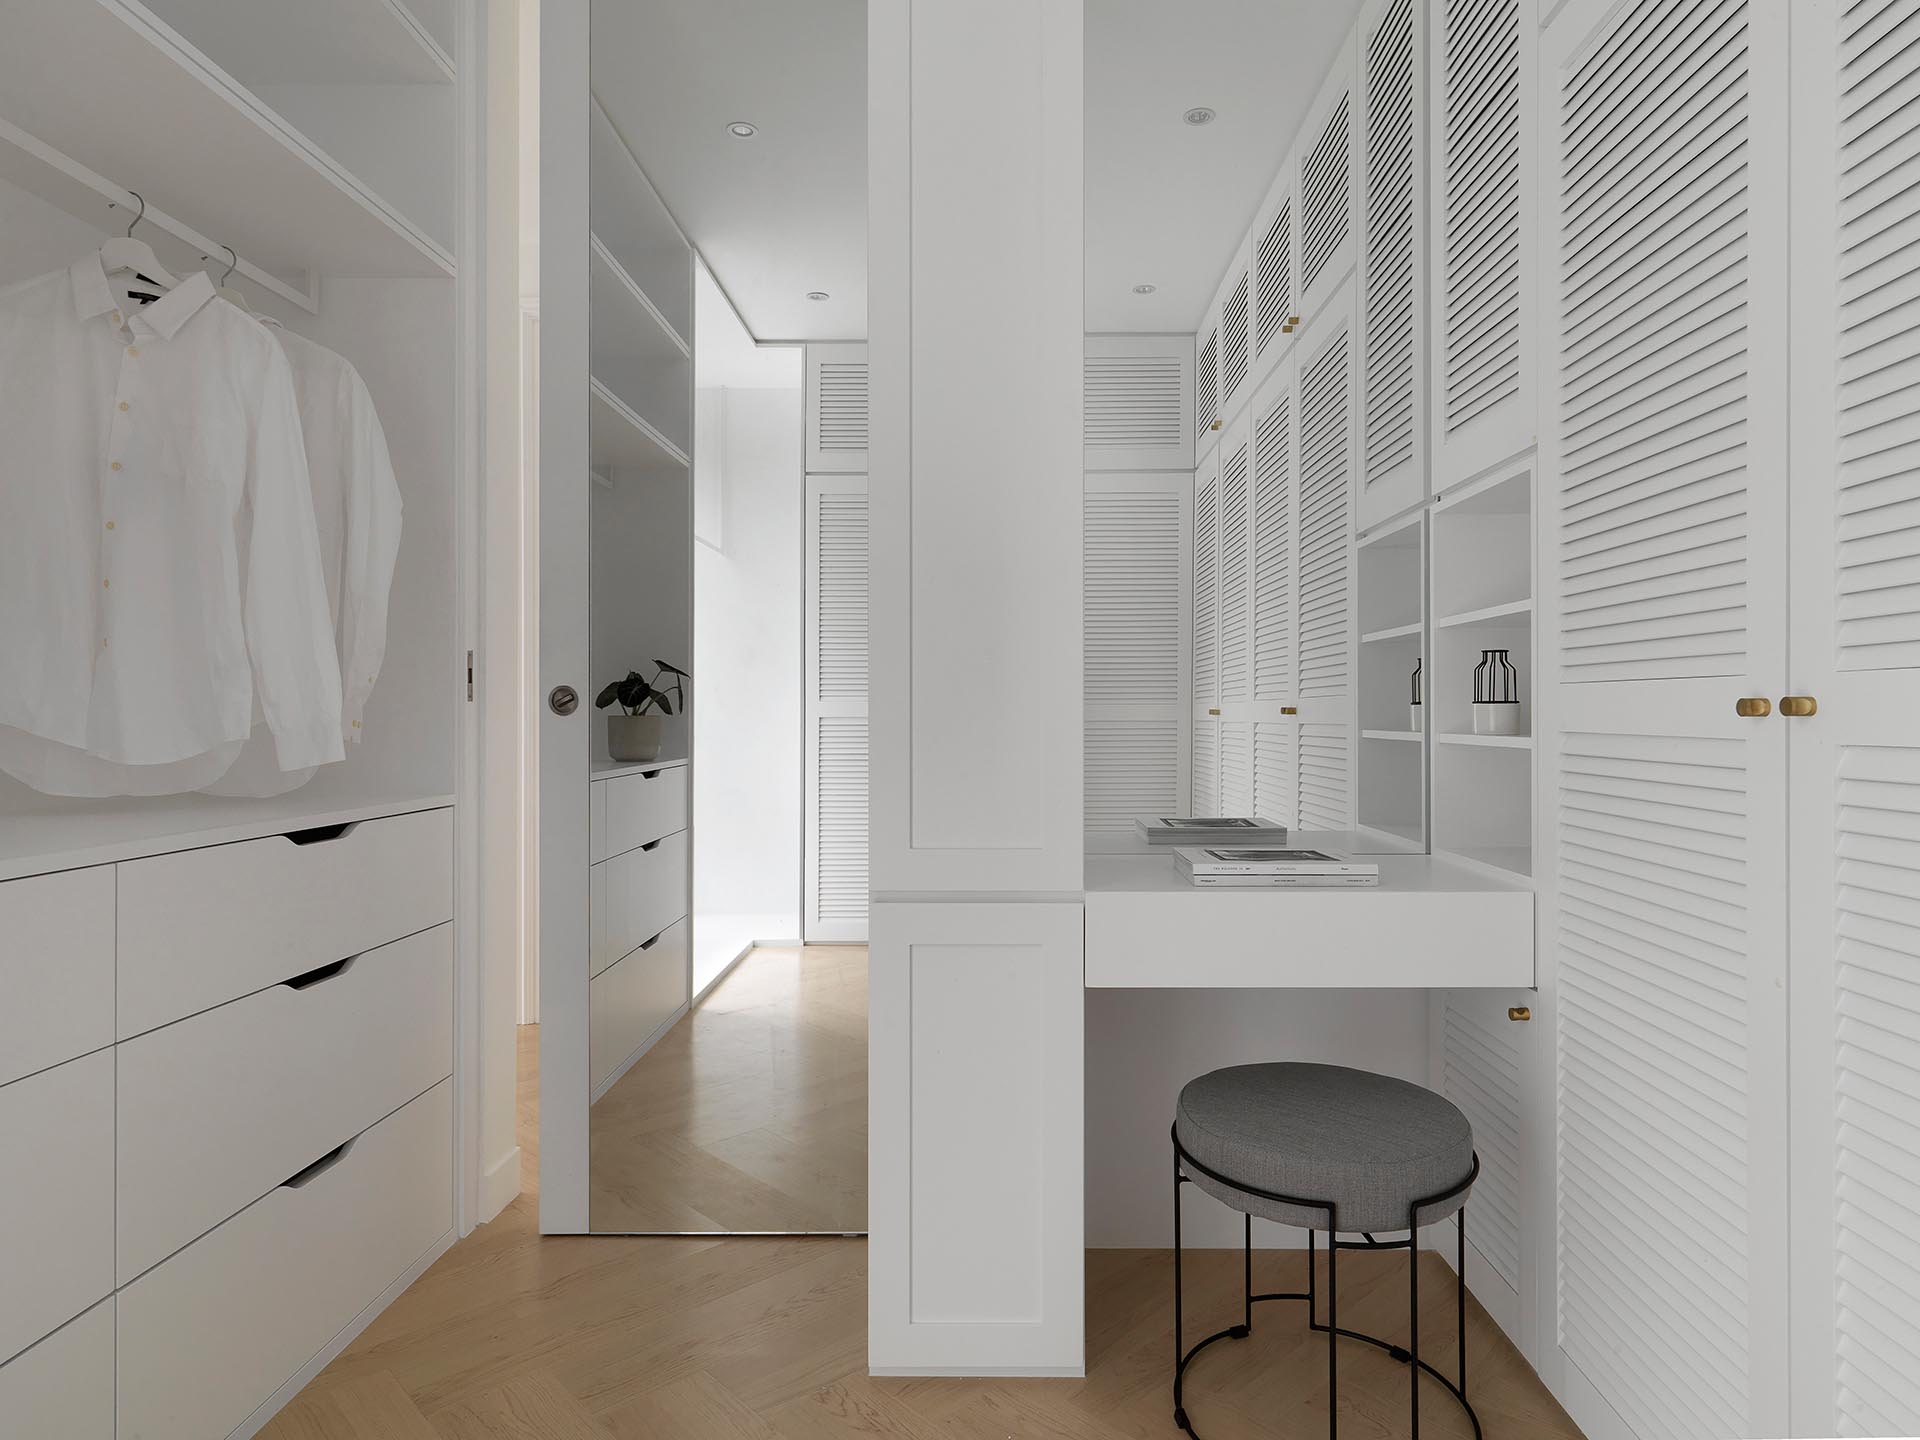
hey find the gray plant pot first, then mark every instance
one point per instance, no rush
(633, 737)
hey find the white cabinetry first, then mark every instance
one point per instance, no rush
(836, 702)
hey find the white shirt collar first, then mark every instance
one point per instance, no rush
(93, 295)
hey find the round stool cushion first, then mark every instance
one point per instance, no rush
(1368, 1144)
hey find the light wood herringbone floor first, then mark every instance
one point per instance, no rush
(512, 1337)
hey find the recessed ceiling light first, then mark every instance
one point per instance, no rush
(741, 130)
(1145, 289)
(818, 295)
(1199, 115)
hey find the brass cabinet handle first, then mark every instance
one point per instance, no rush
(1213, 712)
(1799, 706)
(1753, 708)
(1519, 1012)
(1214, 426)
(1289, 709)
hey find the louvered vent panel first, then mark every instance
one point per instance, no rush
(1323, 197)
(1389, 220)
(1325, 770)
(1206, 386)
(1324, 476)
(1132, 769)
(1235, 662)
(1653, 364)
(1482, 243)
(1236, 767)
(1275, 781)
(1132, 597)
(1480, 1072)
(843, 405)
(841, 640)
(1206, 593)
(1879, 399)
(1877, 1091)
(1206, 768)
(1273, 274)
(840, 855)
(1653, 939)
(1233, 340)
(1273, 552)
(1132, 402)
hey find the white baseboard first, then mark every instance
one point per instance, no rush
(733, 964)
(500, 1185)
(325, 1356)
(620, 1070)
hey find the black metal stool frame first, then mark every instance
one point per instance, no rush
(1410, 1355)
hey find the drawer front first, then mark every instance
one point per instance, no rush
(207, 1336)
(64, 1385)
(56, 969)
(644, 806)
(56, 1207)
(218, 1109)
(205, 926)
(639, 894)
(631, 999)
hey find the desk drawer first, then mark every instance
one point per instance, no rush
(218, 1109)
(56, 969)
(204, 926)
(635, 896)
(643, 807)
(631, 999)
(56, 1207)
(208, 1335)
(64, 1385)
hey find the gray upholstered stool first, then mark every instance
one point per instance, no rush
(1325, 1148)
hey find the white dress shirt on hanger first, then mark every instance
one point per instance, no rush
(158, 557)
(357, 510)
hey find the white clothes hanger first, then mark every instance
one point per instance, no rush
(124, 253)
(225, 291)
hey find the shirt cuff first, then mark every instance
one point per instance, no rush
(352, 712)
(318, 744)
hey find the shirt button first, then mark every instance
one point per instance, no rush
(106, 584)
(116, 465)
(125, 406)
(134, 350)
(103, 642)
(109, 524)
(116, 317)
(356, 724)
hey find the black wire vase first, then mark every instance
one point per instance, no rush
(1496, 695)
(1417, 711)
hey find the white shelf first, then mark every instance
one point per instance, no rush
(1393, 632)
(1386, 836)
(1410, 735)
(1499, 859)
(312, 42)
(625, 321)
(613, 769)
(168, 122)
(1487, 614)
(1499, 742)
(619, 437)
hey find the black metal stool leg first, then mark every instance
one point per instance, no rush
(1246, 1325)
(1413, 1320)
(1460, 1299)
(1333, 1334)
(1179, 1349)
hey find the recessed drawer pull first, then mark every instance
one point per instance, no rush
(651, 774)
(320, 834)
(301, 1178)
(649, 944)
(653, 844)
(320, 973)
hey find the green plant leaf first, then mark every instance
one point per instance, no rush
(666, 705)
(607, 696)
(673, 669)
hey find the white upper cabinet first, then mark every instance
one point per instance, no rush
(1274, 247)
(1325, 165)
(1206, 381)
(1393, 210)
(1236, 563)
(1234, 305)
(1483, 158)
(1274, 508)
(1206, 581)
(1139, 402)
(837, 409)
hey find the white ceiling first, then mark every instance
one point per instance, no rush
(785, 212)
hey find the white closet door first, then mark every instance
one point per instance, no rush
(1855, 857)
(1206, 385)
(1276, 271)
(1662, 866)
(1274, 660)
(1205, 575)
(1135, 604)
(1236, 565)
(1235, 306)
(837, 409)
(1326, 171)
(1139, 402)
(1484, 156)
(1393, 208)
(836, 708)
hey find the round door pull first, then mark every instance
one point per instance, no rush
(1753, 707)
(1799, 706)
(1519, 1012)
(563, 700)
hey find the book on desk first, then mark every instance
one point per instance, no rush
(1272, 866)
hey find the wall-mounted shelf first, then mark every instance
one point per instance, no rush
(223, 162)
(1408, 735)
(620, 439)
(1393, 632)
(1487, 614)
(622, 307)
(313, 42)
(1495, 742)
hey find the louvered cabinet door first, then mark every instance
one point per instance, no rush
(1234, 306)
(1206, 386)
(1484, 157)
(1138, 403)
(836, 708)
(1274, 258)
(1324, 167)
(1274, 537)
(1135, 595)
(836, 409)
(1661, 862)
(1393, 232)
(1855, 859)
(1235, 584)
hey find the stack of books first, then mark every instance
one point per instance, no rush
(1209, 830)
(1253, 867)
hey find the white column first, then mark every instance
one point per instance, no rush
(975, 317)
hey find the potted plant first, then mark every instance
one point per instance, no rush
(635, 733)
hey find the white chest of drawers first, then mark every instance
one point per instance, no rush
(225, 1079)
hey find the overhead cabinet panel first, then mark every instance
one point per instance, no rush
(837, 409)
(1206, 385)
(1233, 307)
(1139, 403)
(1276, 270)
(1326, 184)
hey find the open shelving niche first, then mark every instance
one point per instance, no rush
(1483, 598)
(1391, 566)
